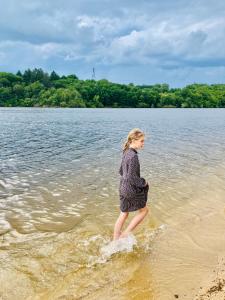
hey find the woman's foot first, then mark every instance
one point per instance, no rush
(124, 234)
(116, 236)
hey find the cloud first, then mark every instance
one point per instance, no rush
(168, 44)
(172, 37)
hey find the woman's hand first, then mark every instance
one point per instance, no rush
(146, 183)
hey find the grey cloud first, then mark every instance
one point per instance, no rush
(76, 35)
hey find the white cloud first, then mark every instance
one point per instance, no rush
(167, 42)
(184, 36)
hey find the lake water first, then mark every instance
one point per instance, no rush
(59, 202)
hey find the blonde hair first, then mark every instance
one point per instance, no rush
(134, 134)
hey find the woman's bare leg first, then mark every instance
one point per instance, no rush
(119, 225)
(135, 221)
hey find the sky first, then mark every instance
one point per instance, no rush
(178, 42)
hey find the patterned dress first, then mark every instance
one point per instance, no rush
(132, 190)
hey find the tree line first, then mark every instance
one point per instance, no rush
(36, 88)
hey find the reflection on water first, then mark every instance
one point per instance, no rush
(59, 201)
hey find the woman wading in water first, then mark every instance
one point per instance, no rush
(133, 189)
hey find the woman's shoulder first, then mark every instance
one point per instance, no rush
(130, 153)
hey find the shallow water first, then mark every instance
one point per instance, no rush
(59, 201)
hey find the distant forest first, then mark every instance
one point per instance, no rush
(36, 88)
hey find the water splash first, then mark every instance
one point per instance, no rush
(150, 236)
(125, 244)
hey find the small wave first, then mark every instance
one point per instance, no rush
(4, 226)
(150, 236)
(6, 185)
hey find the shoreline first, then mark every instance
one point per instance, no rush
(214, 285)
(188, 260)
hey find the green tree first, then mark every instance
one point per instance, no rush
(54, 76)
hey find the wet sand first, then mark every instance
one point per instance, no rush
(190, 251)
(214, 285)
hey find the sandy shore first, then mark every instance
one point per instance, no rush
(188, 257)
(213, 287)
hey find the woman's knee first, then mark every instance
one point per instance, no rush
(144, 210)
(124, 214)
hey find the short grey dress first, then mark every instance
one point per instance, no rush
(132, 190)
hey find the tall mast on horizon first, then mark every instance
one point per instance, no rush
(93, 74)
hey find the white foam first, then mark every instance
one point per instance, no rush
(92, 239)
(125, 244)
